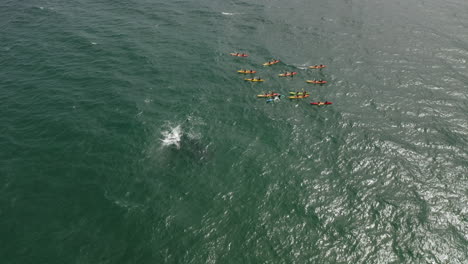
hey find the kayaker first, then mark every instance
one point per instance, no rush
(304, 93)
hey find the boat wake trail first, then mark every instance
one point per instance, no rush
(229, 14)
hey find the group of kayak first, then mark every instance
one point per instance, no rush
(272, 96)
(293, 95)
(286, 74)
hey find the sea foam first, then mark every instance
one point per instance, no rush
(172, 136)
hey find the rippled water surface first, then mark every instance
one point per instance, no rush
(127, 136)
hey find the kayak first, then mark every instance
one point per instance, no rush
(270, 63)
(317, 67)
(316, 82)
(267, 95)
(246, 71)
(286, 75)
(239, 54)
(254, 80)
(321, 103)
(294, 93)
(299, 97)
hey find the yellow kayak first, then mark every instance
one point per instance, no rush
(246, 71)
(298, 97)
(316, 82)
(270, 63)
(254, 80)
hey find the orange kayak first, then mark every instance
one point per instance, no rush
(239, 54)
(316, 82)
(287, 74)
(270, 62)
(267, 95)
(317, 67)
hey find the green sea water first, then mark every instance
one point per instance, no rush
(127, 136)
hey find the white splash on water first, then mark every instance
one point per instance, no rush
(229, 14)
(172, 136)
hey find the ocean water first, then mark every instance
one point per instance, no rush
(127, 136)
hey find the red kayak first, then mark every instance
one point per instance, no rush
(239, 54)
(287, 74)
(321, 103)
